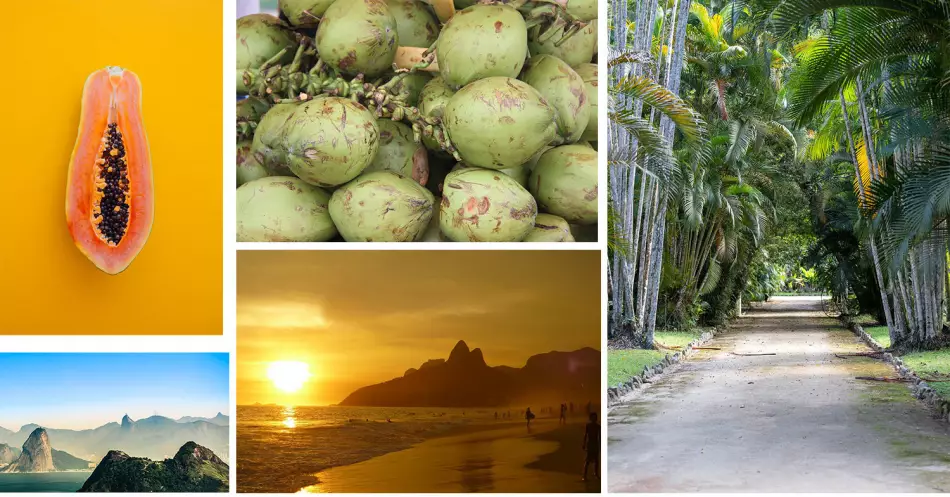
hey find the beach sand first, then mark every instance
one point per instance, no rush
(503, 459)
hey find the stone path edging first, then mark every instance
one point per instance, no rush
(919, 387)
(616, 394)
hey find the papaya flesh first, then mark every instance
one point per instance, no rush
(109, 190)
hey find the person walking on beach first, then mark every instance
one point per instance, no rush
(592, 445)
(563, 418)
(528, 415)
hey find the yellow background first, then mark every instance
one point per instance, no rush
(49, 48)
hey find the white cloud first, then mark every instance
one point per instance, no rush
(282, 314)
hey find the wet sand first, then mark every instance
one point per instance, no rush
(796, 421)
(502, 458)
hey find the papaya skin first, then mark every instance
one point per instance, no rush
(110, 95)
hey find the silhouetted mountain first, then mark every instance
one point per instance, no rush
(219, 419)
(465, 380)
(193, 469)
(38, 456)
(156, 437)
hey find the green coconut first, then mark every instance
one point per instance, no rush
(499, 122)
(248, 169)
(578, 49)
(412, 84)
(433, 232)
(282, 209)
(358, 37)
(435, 95)
(399, 153)
(585, 10)
(588, 72)
(303, 13)
(534, 158)
(564, 89)
(565, 183)
(481, 205)
(518, 173)
(266, 143)
(382, 206)
(416, 25)
(249, 110)
(462, 4)
(329, 141)
(258, 38)
(482, 41)
(550, 228)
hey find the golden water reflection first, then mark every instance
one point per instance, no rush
(289, 414)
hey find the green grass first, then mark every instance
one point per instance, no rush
(931, 364)
(866, 320)
(623, 364)
(676, 338)
(879, 334)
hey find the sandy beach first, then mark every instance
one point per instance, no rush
(500, 458)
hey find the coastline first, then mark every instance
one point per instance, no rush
(501, 457)
(252, 480)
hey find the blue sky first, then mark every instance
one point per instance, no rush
(79, 391)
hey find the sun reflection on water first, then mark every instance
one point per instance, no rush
(289, 414)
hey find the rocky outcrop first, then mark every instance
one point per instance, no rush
(465, 380)
(36, 455)
(8, 454)
(193, 469)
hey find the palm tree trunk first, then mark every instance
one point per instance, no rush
(893, 332)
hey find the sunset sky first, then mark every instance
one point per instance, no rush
(362, 317)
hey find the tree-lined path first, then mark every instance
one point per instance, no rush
(790, 422)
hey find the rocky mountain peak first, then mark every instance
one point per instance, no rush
(476, 357)
(193, 469)
(126, 421)
(36, 455)
(8, 454)
(192, 453)
(459, 352)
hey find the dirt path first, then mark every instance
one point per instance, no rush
(797, 421)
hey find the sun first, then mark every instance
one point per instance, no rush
(288, 376)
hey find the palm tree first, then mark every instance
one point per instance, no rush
(891, 57)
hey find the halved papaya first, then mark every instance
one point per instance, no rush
(109, 191)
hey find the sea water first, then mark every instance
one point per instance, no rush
(70, 481)
(283, 447)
